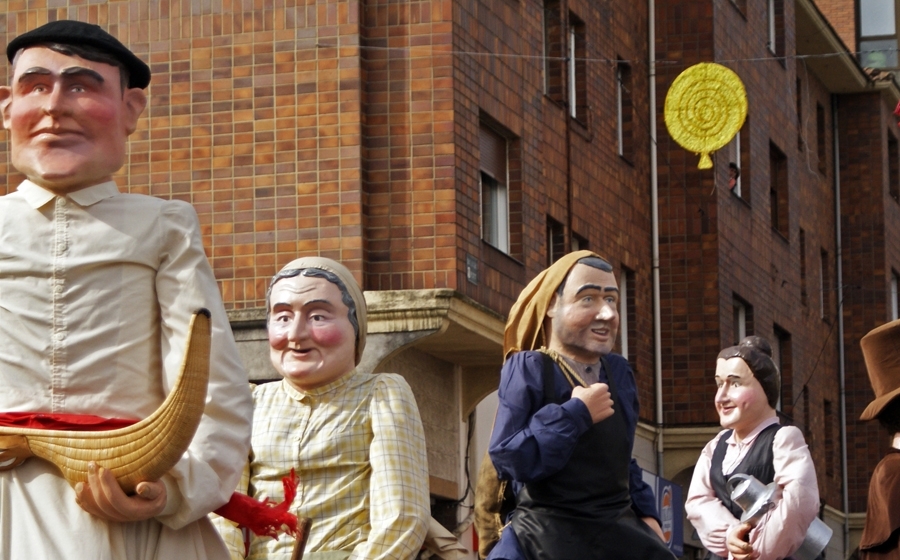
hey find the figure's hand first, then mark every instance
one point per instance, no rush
(102, 497)
(597, 399)
(654, 524)
(738, 543)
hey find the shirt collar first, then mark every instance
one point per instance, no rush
(589, 373)
(751, 437)
(37, 196)
(332, 387)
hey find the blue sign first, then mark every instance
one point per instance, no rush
(671, 510)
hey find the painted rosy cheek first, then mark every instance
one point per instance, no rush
(329, 335)
(277, 336)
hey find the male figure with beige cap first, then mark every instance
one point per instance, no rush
(355, 439)
(881, 534)
(97, 290)
(565, 424)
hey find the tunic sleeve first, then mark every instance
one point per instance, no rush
(530, 440)
(205, 477)
(707, 514)
(783, 529)
(398, 495)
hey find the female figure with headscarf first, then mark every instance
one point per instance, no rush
(753, 442)
(355, 439)
(565, 424)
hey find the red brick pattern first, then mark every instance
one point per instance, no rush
(841, 14)
(716, 245)
(871, 245)
(255, 117)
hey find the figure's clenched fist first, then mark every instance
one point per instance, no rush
(597, 399)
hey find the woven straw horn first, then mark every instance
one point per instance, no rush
(143, 451)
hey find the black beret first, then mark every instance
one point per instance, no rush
(76, 33)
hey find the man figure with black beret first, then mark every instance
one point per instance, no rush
(97, 289)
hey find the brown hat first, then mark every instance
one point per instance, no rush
(881, 350)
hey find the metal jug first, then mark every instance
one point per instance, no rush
(756, 499)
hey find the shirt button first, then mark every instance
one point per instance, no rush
(61, 201)
(58, 288)
(59, 336)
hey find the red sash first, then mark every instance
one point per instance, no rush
(263, 518)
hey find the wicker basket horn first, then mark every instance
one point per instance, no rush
(143, 451)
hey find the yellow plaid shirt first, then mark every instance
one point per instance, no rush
(358, 448)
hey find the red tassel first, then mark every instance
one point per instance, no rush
(264, 518)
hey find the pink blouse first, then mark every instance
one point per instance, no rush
(782, 529)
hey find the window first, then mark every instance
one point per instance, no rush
(577, 69)
(579, 243)
(877, 34)
(738, 163)
(494, 193)
(798, 92)
(820, 137)
(775, 20)
(778, 190)
(830, 446)
(804, 297)
(624, 117)
(556, 240)
(627, 313)
(895, 305)
(807, 432)
(783, 359)
(825, 287)
(893, 167)
(553, 51)
(742, 319)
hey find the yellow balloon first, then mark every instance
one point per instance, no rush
(705, 107)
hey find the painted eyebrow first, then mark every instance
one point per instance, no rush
(67, 73)
(305, 304)
(319, 301)
(596, 287)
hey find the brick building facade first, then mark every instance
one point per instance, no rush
(388, 135)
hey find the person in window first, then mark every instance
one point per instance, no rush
(733, 173)
(752, 442)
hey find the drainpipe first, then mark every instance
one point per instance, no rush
(839, 282)
(654, 235)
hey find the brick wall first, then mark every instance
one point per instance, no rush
(569, 169)
(716, 245)
(871, 250)
(841, 15)
(253, 117)
(688, 248)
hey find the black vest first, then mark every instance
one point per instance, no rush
(584, 511)
(759, 462)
